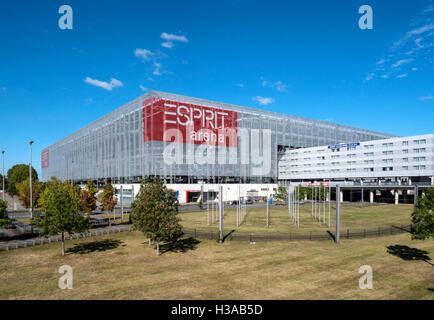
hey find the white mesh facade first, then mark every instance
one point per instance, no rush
(114, 147)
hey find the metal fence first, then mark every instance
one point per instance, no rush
(42, 240)
(326, 235)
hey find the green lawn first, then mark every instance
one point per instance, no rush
(123, 266)
(353, 217)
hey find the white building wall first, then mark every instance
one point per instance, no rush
(230, 191)
(386, 158)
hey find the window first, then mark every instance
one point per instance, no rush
(419, 159)
(405, 151)
(351, 148)
(306, 159)
(405, 159)
(421, 141)
(419, 150)
(335, 163)
(369, 154)
(387, 152)
(368, 161)
(388, 145)
(370, 146)
(387, 160)
(335, 170)
(321, 158)
(405, 168)
(419, 167)
(351, 155)
(405, 143)
(387, 168)
(368, 169)
(351, 162)
(335, 156)
(351, 170)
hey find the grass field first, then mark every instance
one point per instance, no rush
(353, 217)
(123, 266)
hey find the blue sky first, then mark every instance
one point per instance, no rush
(305, 58)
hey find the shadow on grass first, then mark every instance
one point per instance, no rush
(182, 245)
(88, 247)
(407, 253)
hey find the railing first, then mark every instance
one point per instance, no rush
(313, 235)
(56, 238)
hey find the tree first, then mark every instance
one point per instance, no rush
(155, 213)
(60, 203)
(19, 173)
(23, 189)
(3, 208)
(1, 182)
(422, 219)
(88, 198)
(108, 201)
(281, 193)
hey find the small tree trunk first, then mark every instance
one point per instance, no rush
(158, 248)
(150, 242)
(63, 244)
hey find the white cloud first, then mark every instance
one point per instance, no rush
(143, 53)
(170, 38)
(157, 71)
(279, 85)
(263, 101)
(114, 83)
(401, 62)
(173, 37)
(415, 45)
(143, 88)
(402, 75)
(240, 85)
(167, 44)
(426, 98)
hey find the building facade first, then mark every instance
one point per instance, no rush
(401, 160)
(187, 140)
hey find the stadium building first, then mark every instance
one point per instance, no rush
(188, 142)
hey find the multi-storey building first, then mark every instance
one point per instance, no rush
(401, 160)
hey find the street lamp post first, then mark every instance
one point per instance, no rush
(30, 174)
(3, 165)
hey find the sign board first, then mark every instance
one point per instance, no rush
(344, 145)
(175, 121)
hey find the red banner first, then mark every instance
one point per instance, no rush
(45, 158)
(174, 121)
